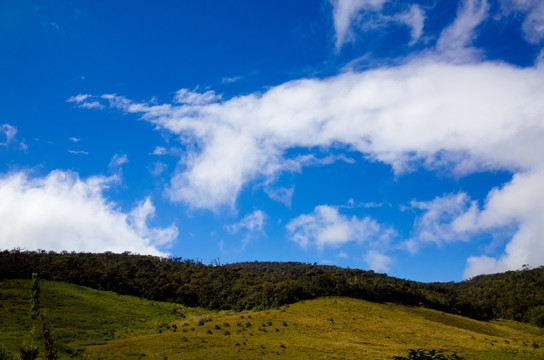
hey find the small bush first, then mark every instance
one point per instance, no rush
(5, 355)
(423, 354)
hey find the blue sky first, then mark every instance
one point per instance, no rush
(401, 137)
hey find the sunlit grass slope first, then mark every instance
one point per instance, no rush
(81, 316)
(330, 328)
(103, 325)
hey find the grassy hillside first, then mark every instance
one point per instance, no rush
(103, 325)
(81, 316)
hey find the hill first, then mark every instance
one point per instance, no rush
(92, 324)
(517, 295)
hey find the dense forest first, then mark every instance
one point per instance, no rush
(517, 295)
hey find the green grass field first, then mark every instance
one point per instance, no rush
(93, 324)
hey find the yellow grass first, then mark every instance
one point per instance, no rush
(330, 328)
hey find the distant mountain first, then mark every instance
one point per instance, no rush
(517, 295)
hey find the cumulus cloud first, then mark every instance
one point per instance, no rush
(519, 202)
(63, 212)
(517, 207)
(9, 133)
(444, 110)
(327, 227)
(465, 117)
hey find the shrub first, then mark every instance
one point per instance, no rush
(423, 354)
(5, 355)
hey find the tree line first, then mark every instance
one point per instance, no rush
(517, 295)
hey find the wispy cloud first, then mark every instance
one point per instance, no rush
(82, 101)
(117, 160)
(251, 222)
(9, 132)
(345, 14)
(159, 151)
(78, 152)
(192, 97)
(229, 80)
(455, 40)
(350, 17)
(251, 225)
(532, 12)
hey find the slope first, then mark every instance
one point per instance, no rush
(95, 324)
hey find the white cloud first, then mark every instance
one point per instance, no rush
(327, 227)
(78, 152)
(253, 222)
(157, 168)
(533, 17)
(138, 220)
(252, 225)
(345, 13)
(79, 98)
(440, 221)
(415, 19)
(367, 15)
(455, 40)
(377, 261)
(159, 151)
(74, 139)
(9, 133)
(463, 117)
(190, 97)
(63, 212)
(118, 160)
(520, 202)
(517, 205)
(282, 195)
(81, 101)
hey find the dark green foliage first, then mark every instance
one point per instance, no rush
(34, 297)
(422, 354)
(514, 295)
(28, 352)
(49, 347)
(5, 355)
